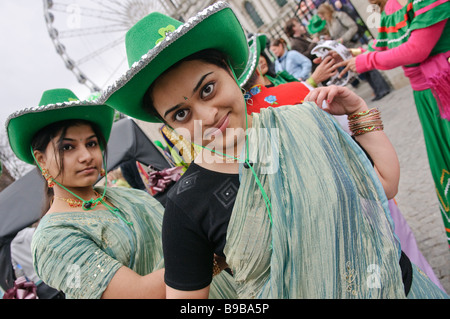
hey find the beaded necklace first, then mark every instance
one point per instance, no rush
(75, 202)
(89, 204)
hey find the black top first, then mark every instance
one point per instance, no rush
(195, 225)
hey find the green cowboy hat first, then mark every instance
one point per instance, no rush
(316, 24)
(257, 44)
(158, 41)
(55, 105)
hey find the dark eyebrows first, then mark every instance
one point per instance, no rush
(199, 84)
(172, 109)
(70, 139)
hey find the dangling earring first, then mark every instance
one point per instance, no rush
(247, 97)
(102, 172)
(48, 177)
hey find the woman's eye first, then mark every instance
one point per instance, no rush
(67, 147)
(181, 115)
(207, 90)
(92, 144)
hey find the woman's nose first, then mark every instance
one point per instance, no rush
(84, 155)
(207, 114)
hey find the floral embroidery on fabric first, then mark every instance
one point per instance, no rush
(271, 99)
(350, 278)
(255, 90)
(164, 32)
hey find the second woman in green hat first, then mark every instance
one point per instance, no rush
(92, 242)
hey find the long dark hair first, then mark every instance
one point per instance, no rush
(42, 138)
(289, 27)
(211, 56)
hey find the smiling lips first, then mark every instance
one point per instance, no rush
(88, 170)
(221, 126)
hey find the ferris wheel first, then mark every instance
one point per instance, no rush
(89, 35)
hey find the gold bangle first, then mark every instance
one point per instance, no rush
(358, 125)
(358, 115)
(368, 130)
(365, 122)
(363, 128)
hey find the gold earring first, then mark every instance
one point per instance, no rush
(48, 177)
(102, 172)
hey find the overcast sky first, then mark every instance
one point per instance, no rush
(29, 64)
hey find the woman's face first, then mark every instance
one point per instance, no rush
(202, 102)
(298, 29)
(82, 157)
(278, 50)
(263, 67)
(325, 15)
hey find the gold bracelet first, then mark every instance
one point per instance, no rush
(362, 124)
(358, 115)
(367, 130)
(365, 122)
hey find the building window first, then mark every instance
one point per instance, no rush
(253, 14)
(281, 3)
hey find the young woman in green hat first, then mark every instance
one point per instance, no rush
(290, 203)
(92, 242)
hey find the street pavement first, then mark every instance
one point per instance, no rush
(416, 197)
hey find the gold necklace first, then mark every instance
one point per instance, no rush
(228, 158)
(225, 157)
(75, 202)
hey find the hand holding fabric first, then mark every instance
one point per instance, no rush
(340, 100)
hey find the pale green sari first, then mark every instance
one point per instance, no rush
(80, 252)
(329, 234)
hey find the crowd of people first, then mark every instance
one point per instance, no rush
(291, 190)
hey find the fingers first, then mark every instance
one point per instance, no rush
(332, 93)
(323, 94)
(311, 97)
(336, 56)
(328, 60)
(321, 97)
(317, 60)
(341, 64)
(344, 71)
(330, 65)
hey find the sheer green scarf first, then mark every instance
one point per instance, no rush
(330, 234)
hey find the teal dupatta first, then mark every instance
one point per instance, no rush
(329, 234)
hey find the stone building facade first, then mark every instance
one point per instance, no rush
(256, 16)
(269, 17)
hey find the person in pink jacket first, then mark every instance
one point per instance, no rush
(416, 36)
